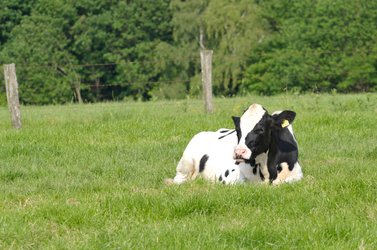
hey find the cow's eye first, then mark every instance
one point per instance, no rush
(258, 131)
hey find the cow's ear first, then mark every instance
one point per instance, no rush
(284, 119)
(236, 121)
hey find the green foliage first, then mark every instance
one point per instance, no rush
(147, 50)
(316, 46)
(42, 84)
(234, 28)
(230, 28)
(69, 36)
(11, 14)
(143, 25)
(91, 177)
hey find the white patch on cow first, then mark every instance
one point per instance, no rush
(220, 158)
(287, 176)
(277, 112)
(249, 119)
(296, 174)
(283, 175)
(291, 131)
(262, 160)
(230, 176)
(247, 171)
(247, 123)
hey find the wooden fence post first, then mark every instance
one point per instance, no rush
(206, 63)
(11, 86)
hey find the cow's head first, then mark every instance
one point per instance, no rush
(254, 129)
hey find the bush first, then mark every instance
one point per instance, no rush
(316, 46)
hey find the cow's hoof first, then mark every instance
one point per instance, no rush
(277, 182)
(169, 182)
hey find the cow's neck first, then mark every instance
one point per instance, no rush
(283, 141)
(273, 147)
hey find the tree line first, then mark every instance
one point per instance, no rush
(99, 50)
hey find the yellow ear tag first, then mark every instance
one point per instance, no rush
(285, 123)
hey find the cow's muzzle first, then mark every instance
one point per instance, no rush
(241, 154)
(238, 153)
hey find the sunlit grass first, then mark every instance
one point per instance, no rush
(91, 177)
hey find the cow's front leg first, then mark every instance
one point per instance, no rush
(283, 173)
(272, 170)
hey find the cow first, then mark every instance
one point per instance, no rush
(243, 154)
(269, 143)
(209, 154)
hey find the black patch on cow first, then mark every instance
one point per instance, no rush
(283, 147)
(285, 141)
(203, 162)
(220, 178)
(261, 175)
(227, 173)
(224, 131)
(251, 161)
(279, 168)
(255, 168)
(237, 121)
(223, 182)
(257, 140)
(233, 170)
(226, 134)
(284, 115)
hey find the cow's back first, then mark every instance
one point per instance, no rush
(209, 154)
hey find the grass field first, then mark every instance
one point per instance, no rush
(91, 177)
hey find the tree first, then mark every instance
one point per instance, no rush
(37, 46)
(90, 39)
(138, 29)
(11, 14)
(70, 37)
(231, 28)
(235, 29)
(315, 46)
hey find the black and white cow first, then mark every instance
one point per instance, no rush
(245, 154)
(268, 142)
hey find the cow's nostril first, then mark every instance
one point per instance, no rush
(241, 151)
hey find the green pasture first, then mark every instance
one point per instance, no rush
(91, 177)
